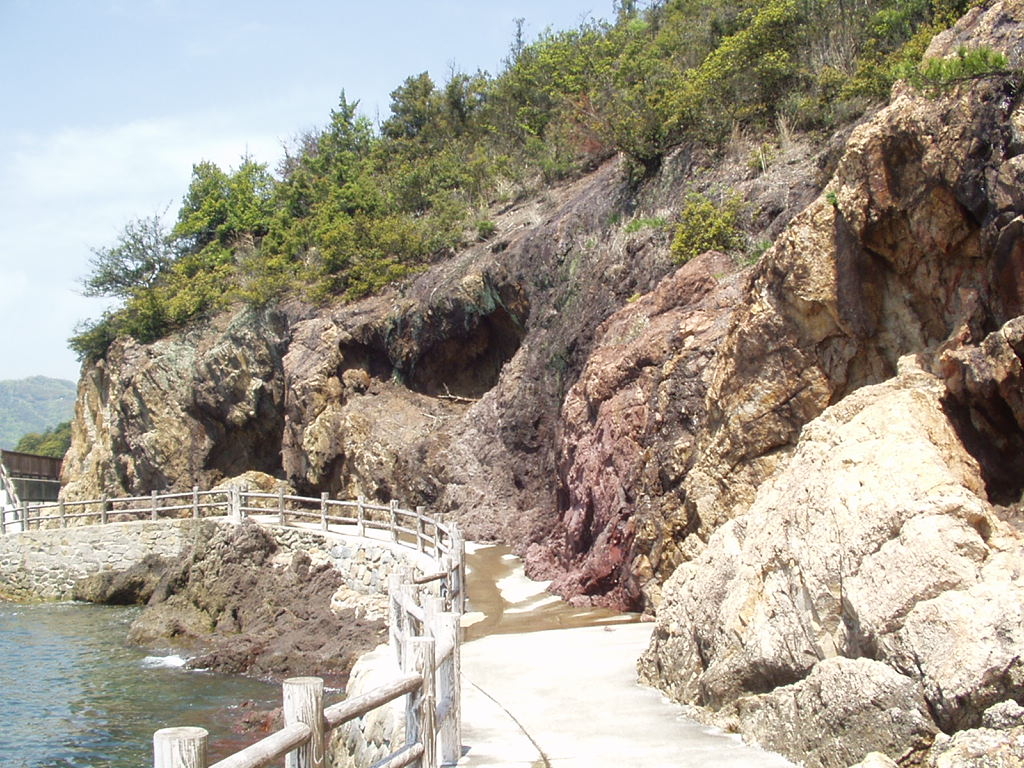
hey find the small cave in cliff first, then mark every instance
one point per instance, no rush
(363, 357)
(990, 433)
(468, 364)
(239, 446)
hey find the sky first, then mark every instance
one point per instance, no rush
(105, 105)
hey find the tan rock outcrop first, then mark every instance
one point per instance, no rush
(979, 748)
(844, 709)
(874, 542)
(901, 263)
(193, 408)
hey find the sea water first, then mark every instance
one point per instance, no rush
(73, 694)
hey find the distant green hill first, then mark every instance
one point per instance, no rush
(32, 405)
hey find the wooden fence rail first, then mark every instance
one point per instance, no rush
(424, 624)
(428, 647)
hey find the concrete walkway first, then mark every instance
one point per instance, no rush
(568, 698)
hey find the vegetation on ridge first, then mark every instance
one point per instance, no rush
(354, 207)
(53, 441)
(33, 405)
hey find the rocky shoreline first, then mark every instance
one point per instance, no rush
(239, 605)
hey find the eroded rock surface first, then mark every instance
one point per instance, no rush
(630, 427)
(189, 409)
(240, 612)
(875, 542)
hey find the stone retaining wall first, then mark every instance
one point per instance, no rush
(46, 564)
(373, 737)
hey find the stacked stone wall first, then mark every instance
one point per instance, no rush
(46, 564)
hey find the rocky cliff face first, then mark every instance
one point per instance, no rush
(446, 391)
(847, 559)
(810, 468)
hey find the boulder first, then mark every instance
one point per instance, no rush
(1004, 715)
(132, 586)
(875, 541)
(979, 748)
(842, 710)
(876, 760)
(239, 612)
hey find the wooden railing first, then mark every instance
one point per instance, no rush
(412, 528)
(427, 646)
(424, 624)
(8, 493)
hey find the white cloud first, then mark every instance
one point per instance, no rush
(69, 191)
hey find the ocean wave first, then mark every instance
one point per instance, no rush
(172, 661)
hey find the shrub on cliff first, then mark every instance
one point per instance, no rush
(706, 225)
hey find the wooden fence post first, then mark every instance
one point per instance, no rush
(195, 501)
(419, 528)
(63, 514)
(396, 618)
(304, 703)
(152, 505)
(408, 592)
(447, 632)
(24, 515)
(280, 505)
(323, 510)
(400, 592)
(361, 516)
(420, 709)
(3, 521)
(103, 510)
(180, 748)
(394, 519)
(458, 545)
(235, 505)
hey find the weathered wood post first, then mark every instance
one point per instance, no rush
(180, 747)
(446, 586)
(447, 631)
(195, 501)
(408, 591)
(24, 515)
(419, 528)
(400, 594)
(3, 521)
(103, 510)
(304, 703)
(235, 504)
(396, 617)
(323, 510)
(62, 512)
(459, 556)
(152, 505)
(420, 709)
(394, 519)
(361, 516)
(280, 505)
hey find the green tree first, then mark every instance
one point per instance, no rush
(53, 442)
(413, 106)
(204, 210)
(220, 208)
(142, 253)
